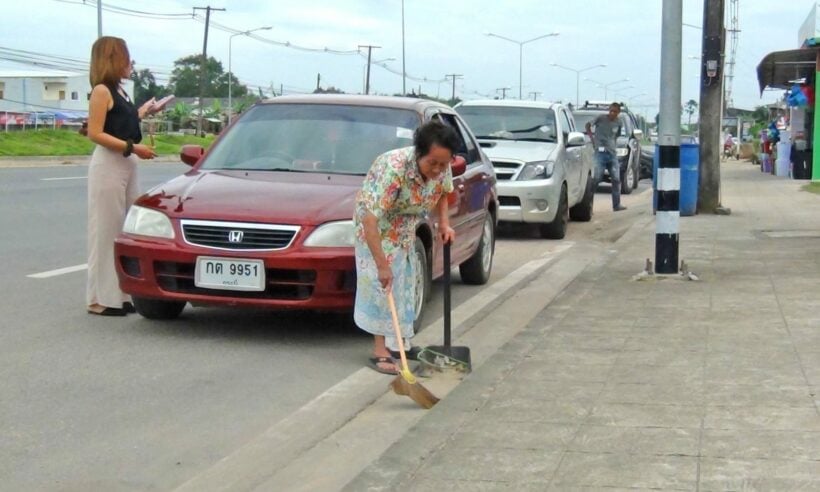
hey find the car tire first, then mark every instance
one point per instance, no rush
(627, 178)
(636, 173)
(155, 309)
(557, 229)
(476, 270)
(423, 282)
(582, 211)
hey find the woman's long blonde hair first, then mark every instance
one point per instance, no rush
(109, 59)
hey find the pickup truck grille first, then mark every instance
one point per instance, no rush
(504, 171)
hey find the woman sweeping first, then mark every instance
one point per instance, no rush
(401, 188)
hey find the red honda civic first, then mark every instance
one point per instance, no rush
(264, 218)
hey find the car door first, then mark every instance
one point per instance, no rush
(572, 159)
(470, 186)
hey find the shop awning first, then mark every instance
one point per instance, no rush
(778, 69)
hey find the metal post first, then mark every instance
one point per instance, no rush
(711, 106)
(667, 219)
(230, 79)
(520, 68)
(403, 71)
(99, 18)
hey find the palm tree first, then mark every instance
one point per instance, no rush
(180, 114)
(690, 108)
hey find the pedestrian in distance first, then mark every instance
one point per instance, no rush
(604, 131)
(114, 125)
(402, 187)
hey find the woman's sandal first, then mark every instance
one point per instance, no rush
(374, 362)
(109, 311)
(412, 354)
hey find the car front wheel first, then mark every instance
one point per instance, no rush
(155, 309)
(557, 229)
(423, 282)
(627, 179)
(477, 269)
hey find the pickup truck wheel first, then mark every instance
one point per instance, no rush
(636, 174)
(477, 269)
(627, 179)
(557, 229)
(582, 211)
(155, 309)
(423, 282)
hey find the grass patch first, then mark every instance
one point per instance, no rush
(812, 187)
(69, 142)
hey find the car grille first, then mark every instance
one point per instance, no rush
(504, 171)
(509, 201)
(238, 236)
(280, 283)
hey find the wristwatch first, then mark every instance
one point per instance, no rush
(129, 147)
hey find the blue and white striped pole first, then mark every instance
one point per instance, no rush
(667, 217)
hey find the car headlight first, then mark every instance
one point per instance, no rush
(332, 235)
(622, 152)
(536, 170)
(148, 222)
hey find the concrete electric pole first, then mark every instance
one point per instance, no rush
(367, 77)
(667, 218)
(202, 66)
(711, 105)
(454, 77)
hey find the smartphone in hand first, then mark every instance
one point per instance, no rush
(160, 105)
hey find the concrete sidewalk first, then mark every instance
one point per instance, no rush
(663, 384)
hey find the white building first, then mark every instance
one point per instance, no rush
(28, 91)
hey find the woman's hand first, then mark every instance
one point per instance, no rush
(144, 151)
(146, 108)
(386, 277)
(447, 234)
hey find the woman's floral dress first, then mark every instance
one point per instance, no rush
(397, 194)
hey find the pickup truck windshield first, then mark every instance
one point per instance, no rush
(321, 138)
(510, 123)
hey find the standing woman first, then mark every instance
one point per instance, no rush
(401, 187)
(114, 125)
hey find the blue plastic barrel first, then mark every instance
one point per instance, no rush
(689, 175)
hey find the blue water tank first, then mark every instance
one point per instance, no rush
(689, 176)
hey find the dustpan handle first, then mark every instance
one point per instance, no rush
(447, 327)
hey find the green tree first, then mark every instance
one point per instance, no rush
(146, 87)
(185, 79)
(180, 115)
(690, 108)
(329, 90)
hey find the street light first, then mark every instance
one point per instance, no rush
(577, 76)
(364, 70)
(606, 86)
(521, 53)
(230, 73)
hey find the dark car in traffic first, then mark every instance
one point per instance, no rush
(264, 218)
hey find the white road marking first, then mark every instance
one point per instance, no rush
(59, 271)
(63, 179)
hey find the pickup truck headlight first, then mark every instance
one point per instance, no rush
(332, 235)
(536, 170)
(148, 222)
(622, 152)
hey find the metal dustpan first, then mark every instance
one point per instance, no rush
(446, 357)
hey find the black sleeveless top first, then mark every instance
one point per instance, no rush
(122, 120)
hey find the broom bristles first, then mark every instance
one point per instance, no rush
(418, 393)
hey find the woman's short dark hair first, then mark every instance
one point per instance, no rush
(434, 132)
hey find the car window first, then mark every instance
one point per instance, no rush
(472, 147)
(450, 121)
(510, 123)
(326, 138)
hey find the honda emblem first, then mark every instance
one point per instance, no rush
(235, 236)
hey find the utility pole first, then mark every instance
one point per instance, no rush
(711, 105)
(99, 18)
(204, 62)
(535, 95)
(369, 53)
(318, 81)
(403, 71)
(454, 77)
(503, 91)
(667, 218)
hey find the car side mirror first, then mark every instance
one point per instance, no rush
(638, 134)
(458, 166)
(190, 154)
(575, 139)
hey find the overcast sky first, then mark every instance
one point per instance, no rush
(442, 36)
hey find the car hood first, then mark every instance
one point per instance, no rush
(519, 150)
(257, 196)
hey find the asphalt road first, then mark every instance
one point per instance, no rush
(91, 403)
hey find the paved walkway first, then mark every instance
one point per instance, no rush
(664, 384)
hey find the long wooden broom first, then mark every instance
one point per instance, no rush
(405, 383)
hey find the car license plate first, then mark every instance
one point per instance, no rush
(229, 274)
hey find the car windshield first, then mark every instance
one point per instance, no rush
(320, 138)
(584, 117)
(510, 123)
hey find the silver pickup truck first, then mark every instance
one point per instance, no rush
(543, 163)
